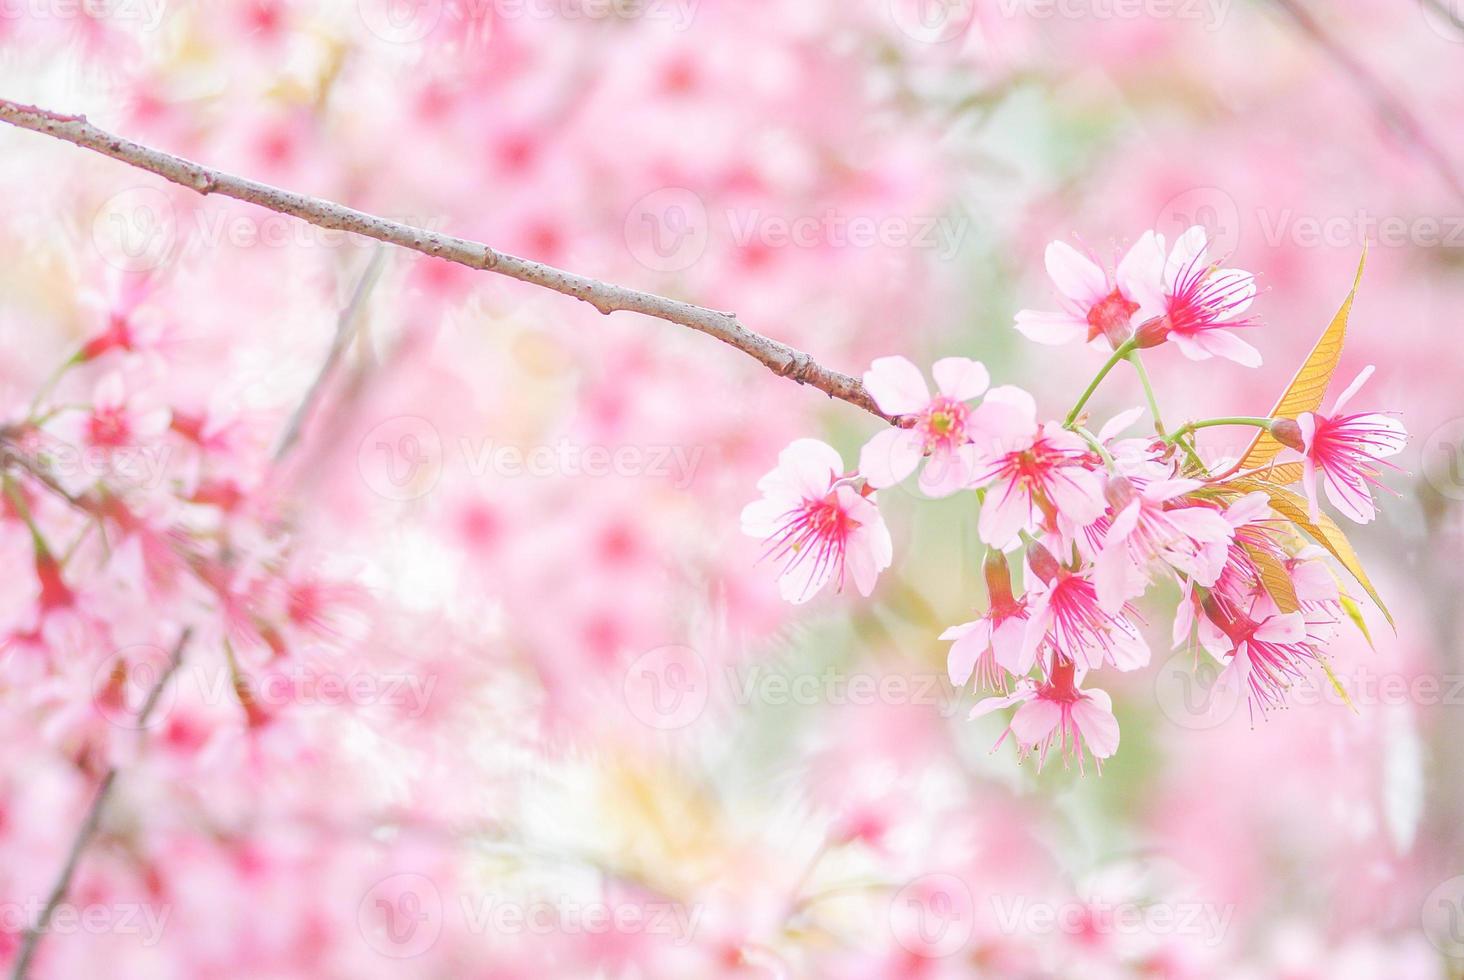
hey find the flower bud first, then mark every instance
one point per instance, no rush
(998, 577)
(1288, 434)
(1152, 332)
(1043, 565)
(1119, 492)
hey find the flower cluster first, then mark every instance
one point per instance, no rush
(1094, 519)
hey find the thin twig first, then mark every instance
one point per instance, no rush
(345, 330)
(89, 824)
(781, 359)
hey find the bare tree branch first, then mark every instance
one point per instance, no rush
(781, 359)
(89, 824)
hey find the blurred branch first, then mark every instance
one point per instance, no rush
(90, 823)
(1390, 108)
(345, 330)
(781, 359)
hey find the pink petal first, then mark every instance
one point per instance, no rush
(1052, 329)
(944, 474)
(960, 378)
(1095, 720)
(896, 386)
(1035, 721)
(1077, 276)
(1223, 343)
(811, 466)
(961, 661)
(1189, 251)
(1140, 274)
(1006, 512)
(1352, 389)
(890, 456)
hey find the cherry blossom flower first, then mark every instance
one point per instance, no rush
(1093, 306)
(1066, 615)
(122, 419)
(1058, 712)
(1347, 450)
(1151, 524)
(1265, 656)
(1031, 473)
(992, 644)
(1186, 299)
(817, 523)
(940, 423)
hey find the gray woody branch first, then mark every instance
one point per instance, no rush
(781, 359)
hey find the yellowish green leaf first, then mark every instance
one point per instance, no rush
(1354, 613)
(1325, 532)
(1275, 578)
(1307, 389)
(1337, 686)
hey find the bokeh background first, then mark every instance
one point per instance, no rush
(554, 719)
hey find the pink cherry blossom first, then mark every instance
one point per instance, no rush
(1151, 524)
(1266, 656)
(1057, 712)
(1093, 305)
(1067, 616)
(1032, 473)
(1347, 450)
(1186, 299)
(815, 521)
(939, 428)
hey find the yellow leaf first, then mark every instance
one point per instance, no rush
(1354, 613)
(1326, 533)
(1337, 686)
(1307, 389)
(1275, 579)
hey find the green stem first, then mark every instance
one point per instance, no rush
(1259, 423)
(1092, 440)
(1138, 363)
(1119, 354)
